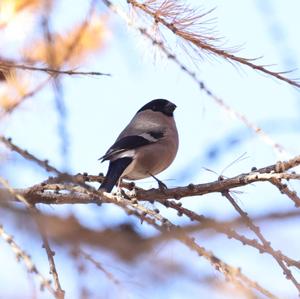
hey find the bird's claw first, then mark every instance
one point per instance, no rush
(121, 193)
(162, 186)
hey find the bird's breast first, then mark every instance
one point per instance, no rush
(152, 159)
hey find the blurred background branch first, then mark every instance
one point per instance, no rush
(62, 108)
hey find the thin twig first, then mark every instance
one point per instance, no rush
(152, 217)
(284, 189)
(288, 274)
(25, 154)
(59, 292)
(52, 71)
(27, 95)
(21, 254)
(234, 275)
(99, 266)
(207, 222)
(183, 26)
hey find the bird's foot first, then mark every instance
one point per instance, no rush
(121, 193)
(162, 186)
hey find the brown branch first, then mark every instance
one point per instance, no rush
(40, 195)
(25, 154)
(99, 266)
(21, 254)
(271, 216)
(284, 189)
(153, 218)
(69, 231)
(259, 175)
(36, 193)
(184, 22)
(62, 176)
(88, 195)
(59, 292)
(6, 66)
(28, 95)
(226, 229)
(267, 245)
(233, 275)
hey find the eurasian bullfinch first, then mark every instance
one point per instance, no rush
(146, 147)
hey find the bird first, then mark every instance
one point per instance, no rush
(146, 147)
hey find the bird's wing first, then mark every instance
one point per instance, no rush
(132, 142)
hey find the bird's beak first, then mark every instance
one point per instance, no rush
(170, 107)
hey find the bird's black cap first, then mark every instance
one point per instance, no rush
(161, 105)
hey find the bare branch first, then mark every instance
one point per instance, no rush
(153, 218)
(267, 245)
(39, 87)
(99, 266)
(21, 254)
(6, 66)
(36, 193)
(284, 189)
(59, 292)
(226, 229)
(25, 154)
(186, 24)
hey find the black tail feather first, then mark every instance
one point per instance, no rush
(114, 172)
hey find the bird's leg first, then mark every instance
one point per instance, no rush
(120, 192)
(162, 186)
(119, 183)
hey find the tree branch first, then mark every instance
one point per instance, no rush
(266, 244)
(21, 254)
(59, 292)
(77, 194)
(9, 65)
(186, 26)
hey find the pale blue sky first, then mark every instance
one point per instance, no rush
(98, 108)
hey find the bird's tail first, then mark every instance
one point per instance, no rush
(114, 172)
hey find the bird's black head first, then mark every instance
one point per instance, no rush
(164, 106)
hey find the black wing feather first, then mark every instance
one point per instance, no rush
(130, 142)
(156, 135)
(115, 170)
